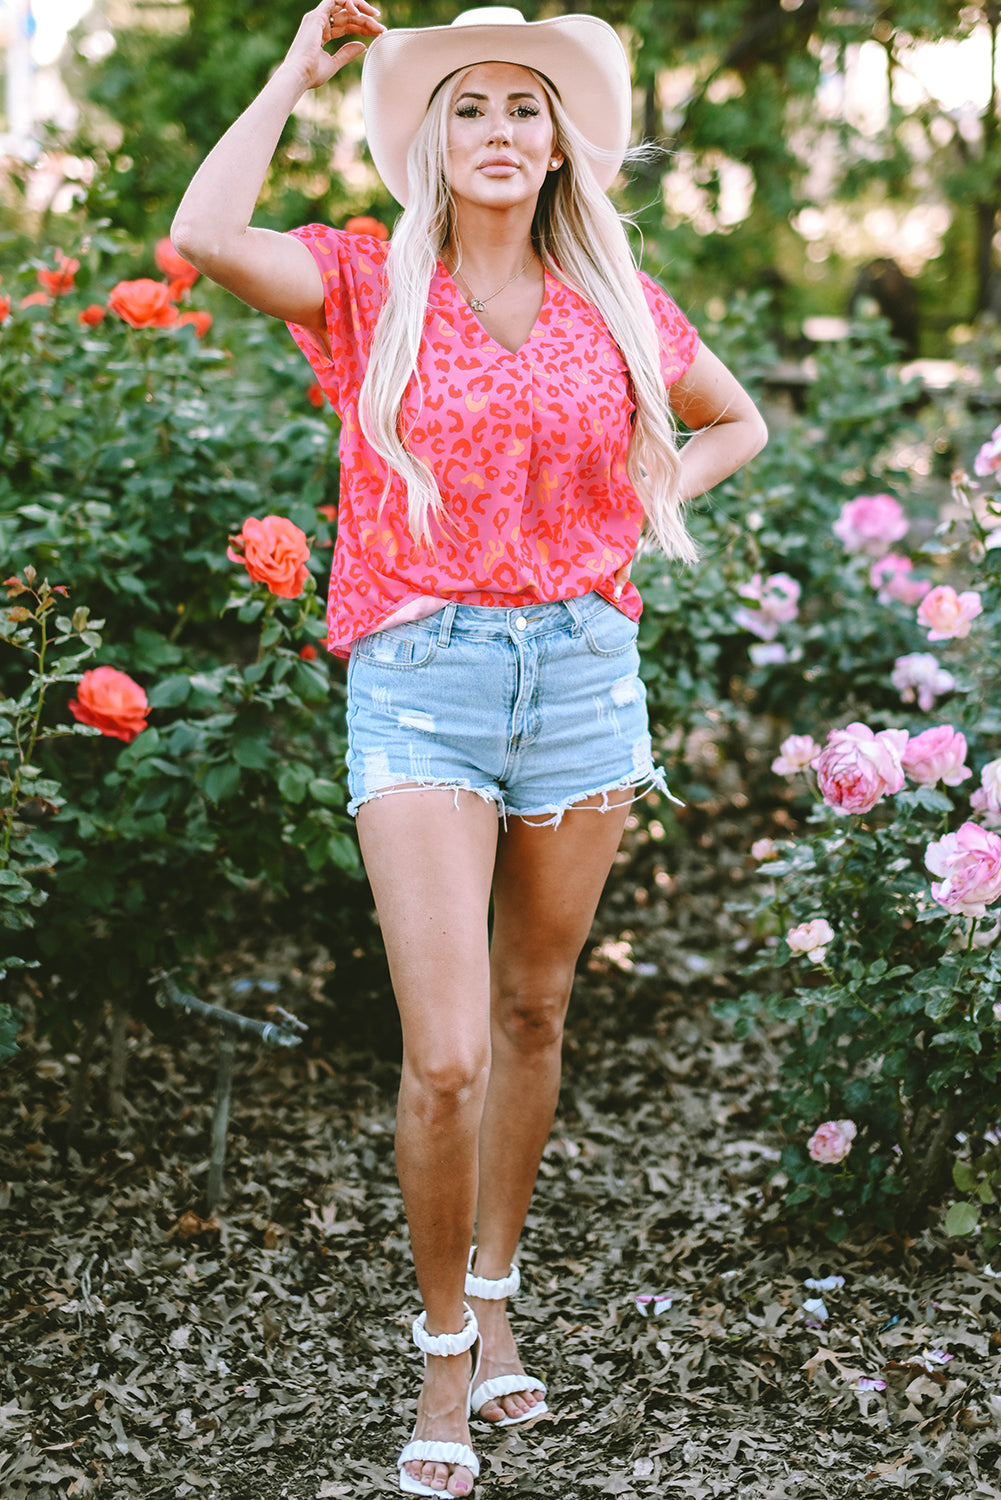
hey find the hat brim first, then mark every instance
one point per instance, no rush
(581, 55)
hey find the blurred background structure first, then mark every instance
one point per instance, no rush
(826, 151)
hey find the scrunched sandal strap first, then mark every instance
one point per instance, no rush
(459, 1455)
(507, 1385)
(491, 1291)
(446, 1343)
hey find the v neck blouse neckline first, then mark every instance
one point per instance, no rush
(450, 283)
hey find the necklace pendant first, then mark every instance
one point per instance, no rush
(477, 305)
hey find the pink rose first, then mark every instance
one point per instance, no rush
(988, 460)
(777, 598)
(832, 1141)
(795, 754)
(762, 849)
(918, 675)
(857, 768)
(811, 938)
(948, 613)
(871, 523)
(891, 576)
(936, 755)
(988, 798)
(970, 865)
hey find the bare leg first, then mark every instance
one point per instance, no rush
(429, 857)
(546, 887)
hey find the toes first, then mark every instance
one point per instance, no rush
(461, 1482)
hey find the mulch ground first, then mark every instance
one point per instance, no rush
(150, 1350)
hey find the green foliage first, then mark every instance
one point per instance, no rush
(777, 516)
(127, 458)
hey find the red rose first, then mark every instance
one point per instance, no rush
(143, 303)
(36, 299)
(201, 322)
(274, 552)
(179, 272)
(92, 315)
(365, 225)
(308, 653)
(314, 394)
(4, 307)
(59, 281)
(111, 702)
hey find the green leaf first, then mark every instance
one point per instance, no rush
(961, 1218)
(170, 691)
(221, 781)
(253, 753)
(344, 852)
(964, 1177)
(330, 793)
(293, 782)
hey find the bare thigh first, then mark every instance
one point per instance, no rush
(429, 854)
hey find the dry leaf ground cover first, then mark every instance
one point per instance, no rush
(148, 1351)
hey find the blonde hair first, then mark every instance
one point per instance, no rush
(581, 240)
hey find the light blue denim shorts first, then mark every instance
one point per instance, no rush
(534, 709)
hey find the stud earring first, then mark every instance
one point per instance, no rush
(554, 163)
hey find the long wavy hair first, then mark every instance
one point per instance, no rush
(582, 241)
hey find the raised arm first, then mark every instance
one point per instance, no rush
(272, 272)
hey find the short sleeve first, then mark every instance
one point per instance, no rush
(679, 340)
(352, 268)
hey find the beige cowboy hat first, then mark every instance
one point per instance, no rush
(580, 55)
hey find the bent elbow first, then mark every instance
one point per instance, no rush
(759, 436)
(187, 241)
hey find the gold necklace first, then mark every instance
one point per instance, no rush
(478, 304)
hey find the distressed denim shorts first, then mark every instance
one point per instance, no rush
(535, 708)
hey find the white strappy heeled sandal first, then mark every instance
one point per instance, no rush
(459, 1455)
(501, 1385)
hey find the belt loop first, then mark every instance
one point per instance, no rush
(576, 614)
(445, 627)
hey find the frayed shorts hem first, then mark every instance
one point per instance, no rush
(548, 816)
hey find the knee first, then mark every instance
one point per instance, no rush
(531, 1020)
(447, 1082)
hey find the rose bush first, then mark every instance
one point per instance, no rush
(130, 452)
(896, 1028)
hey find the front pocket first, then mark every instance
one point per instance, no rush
(402, 647)
(609, 632)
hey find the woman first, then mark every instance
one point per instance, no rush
(501, 375)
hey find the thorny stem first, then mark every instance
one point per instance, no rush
(25, 756)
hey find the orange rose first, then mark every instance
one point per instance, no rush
(111, 702)
(36, 299)
(143, 303)
(92, 315)
(4, 307)
(201, 322)
(60, 281)
(274, 552)
(179, 272)
(365, 225)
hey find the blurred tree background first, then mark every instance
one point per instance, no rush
(820, 149)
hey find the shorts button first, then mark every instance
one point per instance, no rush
(521, 623)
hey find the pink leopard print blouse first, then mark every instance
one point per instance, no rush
(529, 449)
